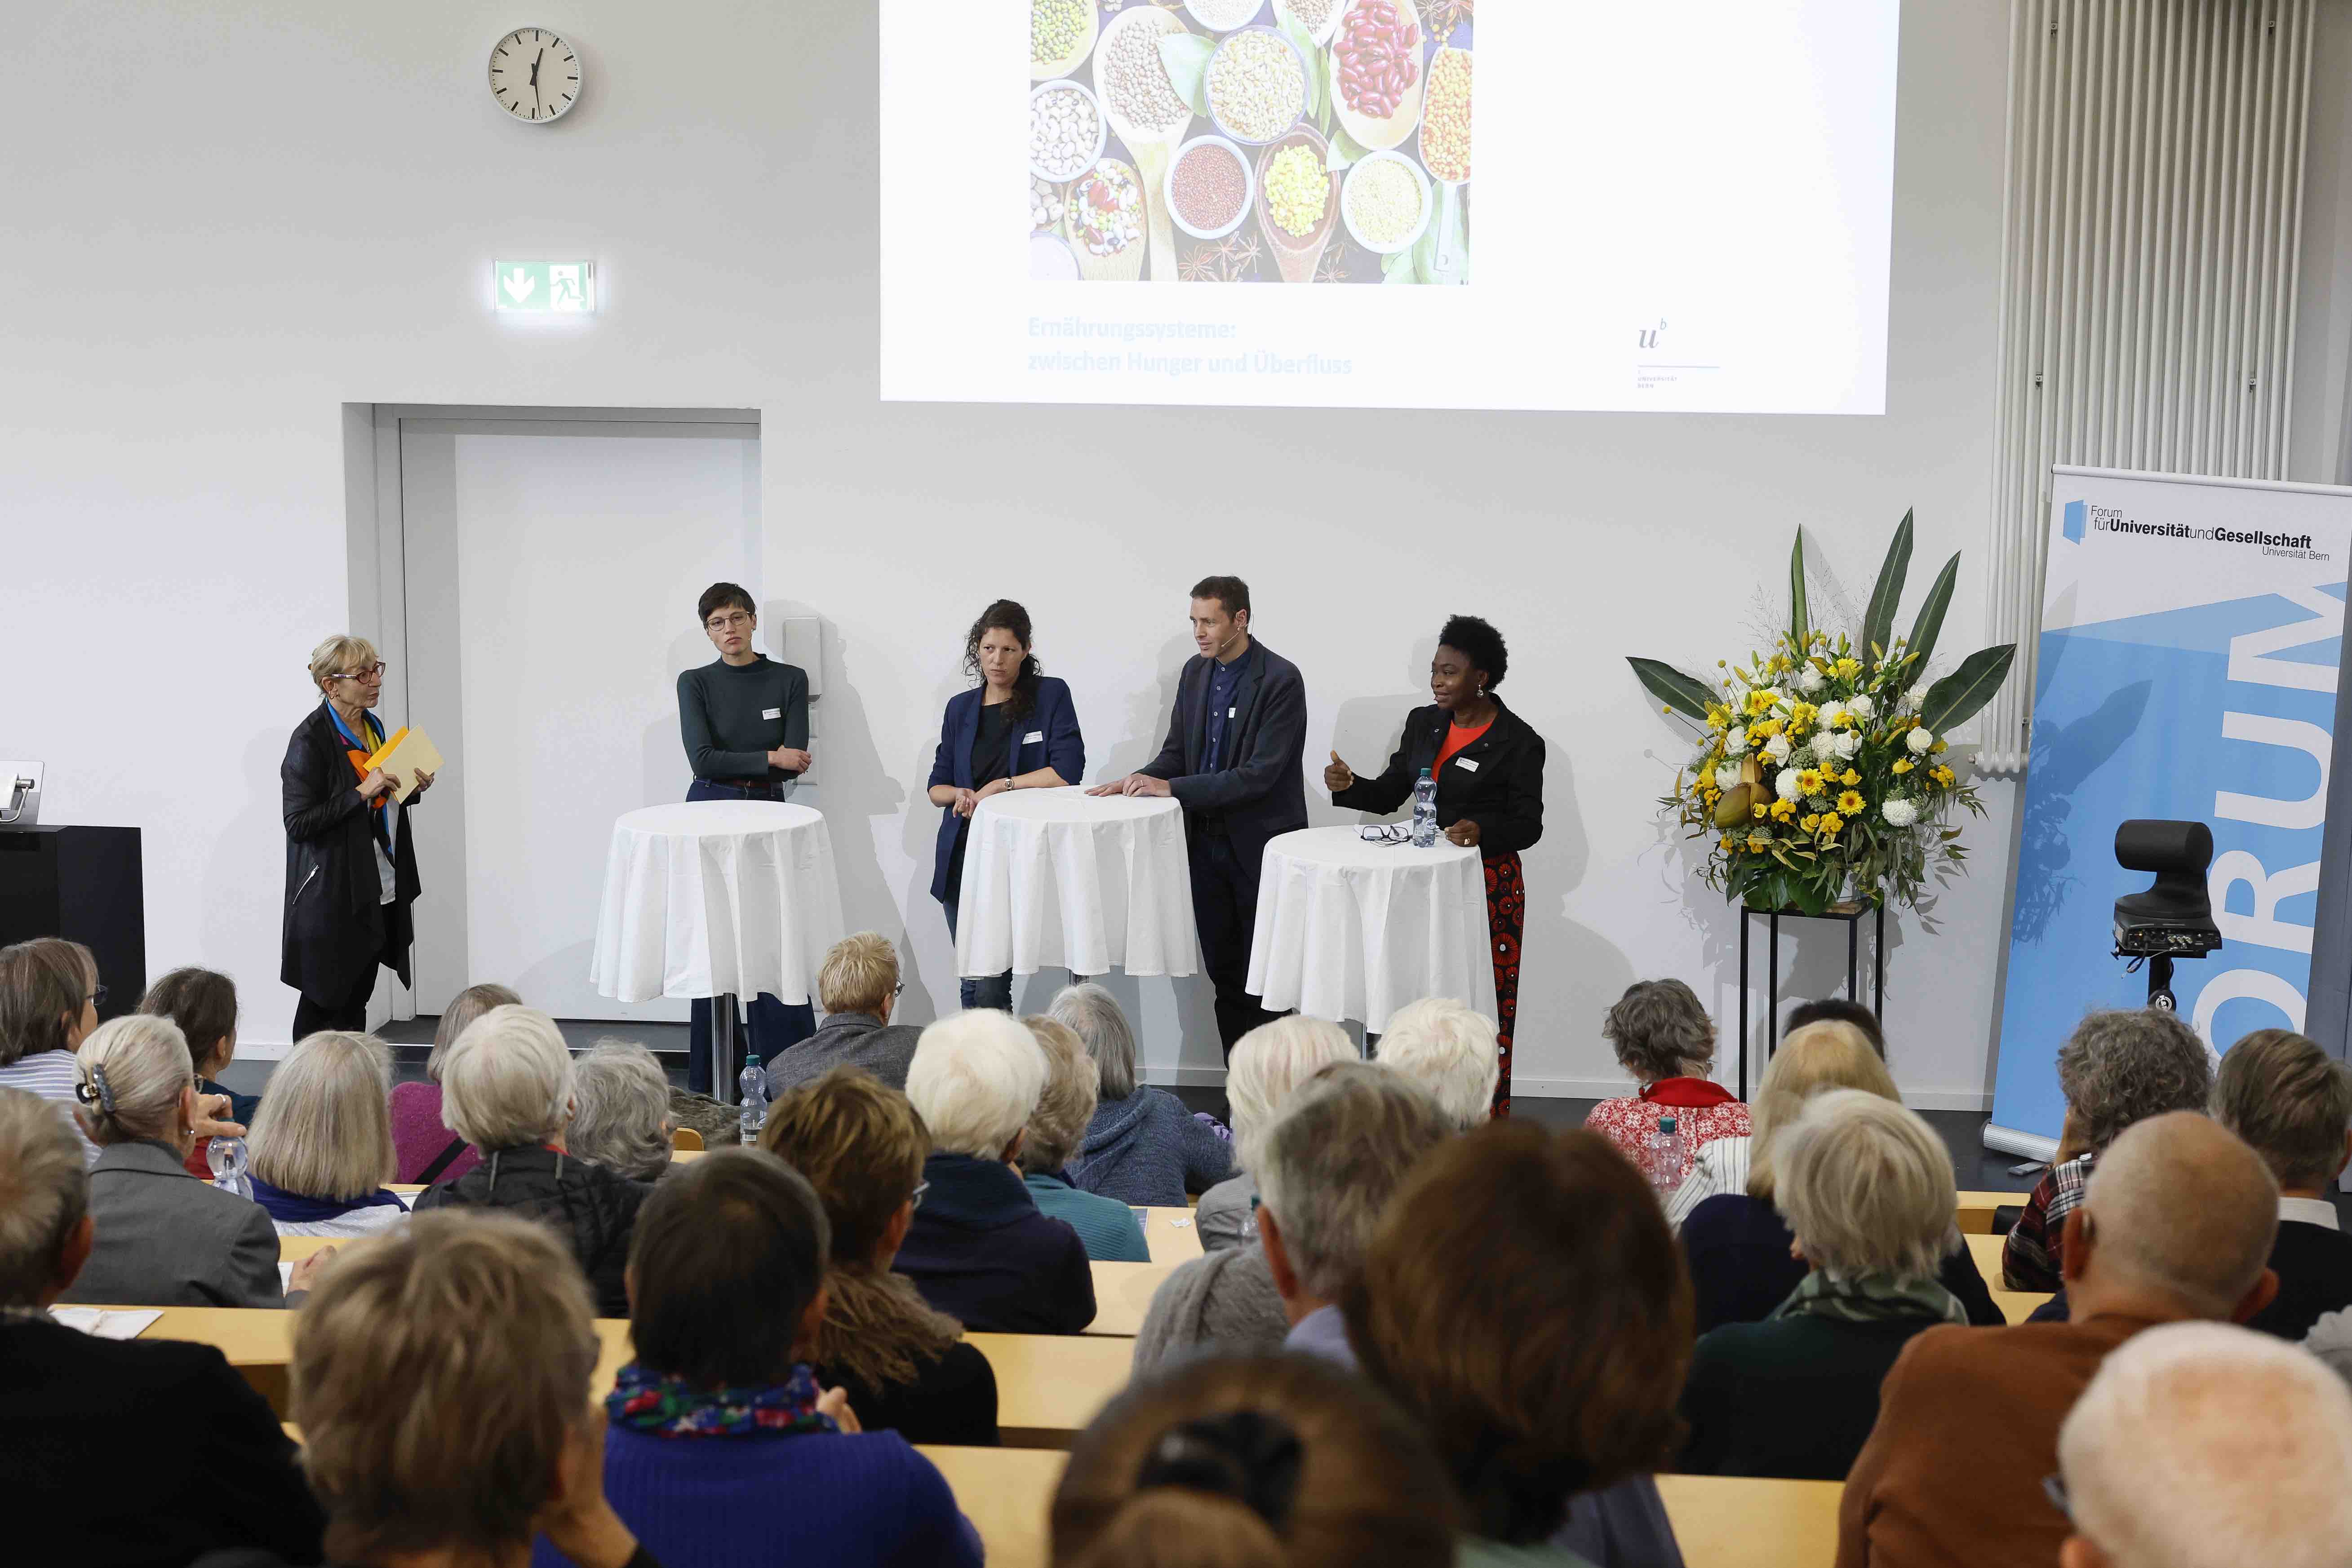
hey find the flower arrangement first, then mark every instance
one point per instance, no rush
(1822, 765)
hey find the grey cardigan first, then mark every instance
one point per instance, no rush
(851, 1039)
(1220, 1301)
(165, 1239)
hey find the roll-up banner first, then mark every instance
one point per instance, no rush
(2190, 634)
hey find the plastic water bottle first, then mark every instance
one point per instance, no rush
(227, 1156)
(754, 1085)
(1424, 812)
(1662, 1157)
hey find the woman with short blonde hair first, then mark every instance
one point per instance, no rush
(1832, 1054)
(1268, 1065)
(1106, 1227)
(622, 1121)
(508, 1089)
(164, 1238)
(1868, 1189)
(321, 1142)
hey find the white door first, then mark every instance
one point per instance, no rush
(552, 572)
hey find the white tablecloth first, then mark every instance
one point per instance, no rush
(1057, 879)
(1348, 929)
(717, 897)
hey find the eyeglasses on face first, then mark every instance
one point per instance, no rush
(364, 673)
(734, 621)
(920, 1188)
(98, 995)
(2055, 1489)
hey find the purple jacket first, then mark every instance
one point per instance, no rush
(418, 1135)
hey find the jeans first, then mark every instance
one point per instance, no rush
(775, 1026)
(988, 990)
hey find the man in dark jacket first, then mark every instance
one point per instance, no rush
(858, 986)
(1233, 758)
(126, 1451)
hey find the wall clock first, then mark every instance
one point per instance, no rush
(535, 75)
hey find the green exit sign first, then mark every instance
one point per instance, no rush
(544, 288)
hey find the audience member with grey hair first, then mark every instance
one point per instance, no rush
(2118, 1068)
(978, 1248)
(1665, 1042)
(80, 1430)
(508, 1089)
(164, 1237)
(429, 1151)
(2176, 1225)
(1867, 1187)
(622, 1120)
(2203, 1446)
(1108, 1226)
(321, 1142)
(1450, 1048)
(859, 987)
(1143, 1146)
(1267, 1067)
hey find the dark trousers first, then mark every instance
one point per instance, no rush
(987, 990)
(775, 1025)
(1224, 907)
(348, 1011)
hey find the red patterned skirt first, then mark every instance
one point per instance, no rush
(1507, 922)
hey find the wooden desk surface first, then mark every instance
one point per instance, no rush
(1006, 1493)
(1736, 1521)
(1048, 1386)
(1123, 1294)
(1975, 1211)
(1170, 1234)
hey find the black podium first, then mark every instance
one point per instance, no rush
(84, 884)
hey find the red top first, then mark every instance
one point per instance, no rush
(1708, 1109)
(1456, 737)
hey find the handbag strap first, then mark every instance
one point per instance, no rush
(441, 1162)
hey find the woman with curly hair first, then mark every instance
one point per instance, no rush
(1665, 1040)
(1488, 765)
(2115, 1069)
(1015, 730)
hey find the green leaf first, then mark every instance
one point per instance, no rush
(1930, 623)
(1878, 622)
(1303, 42)
(1186, 57)
(1684, 694)
(1345, 150)
(1799, 631)
(1957, 696)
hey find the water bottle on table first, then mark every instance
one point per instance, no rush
(753, 1082)
(227, 1158)
(1662, 1156)
(1424, 812)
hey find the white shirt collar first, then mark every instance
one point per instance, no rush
(2310, 1210)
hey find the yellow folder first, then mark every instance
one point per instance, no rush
(409, 752)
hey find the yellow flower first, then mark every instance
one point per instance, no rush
(1718, 718)
(1783, 810)
(1939, 747)
(1759, 702)
(1763, 729)
(1756, 811)
(1801, 715)
(1808, 821)
(1846, 669)
(1942, 775)
(1850, 803)
(1809, 781)
(1851, 777)
(1831, 824)
(1902, 764)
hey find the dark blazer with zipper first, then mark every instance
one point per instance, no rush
(1259, 790)
(1500, 789)
(336, 927)
(1044, 736)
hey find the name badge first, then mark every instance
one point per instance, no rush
(771, 713)
(1034, 737)
(1233, 712)
(1466, 764)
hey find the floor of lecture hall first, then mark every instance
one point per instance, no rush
(1978, 1169)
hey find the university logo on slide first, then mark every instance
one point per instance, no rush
(2075, 523)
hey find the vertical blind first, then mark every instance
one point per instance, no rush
(2155, 203)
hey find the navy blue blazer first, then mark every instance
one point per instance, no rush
(1264, 792)
(1045, 737)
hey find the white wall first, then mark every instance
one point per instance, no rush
(276, 216)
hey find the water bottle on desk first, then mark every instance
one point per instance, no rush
(1662, 1157)
(754, 1086)
(1424, 812)
(227, 1156)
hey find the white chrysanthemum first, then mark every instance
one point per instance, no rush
(1862, 708)
(1777, 749)
(1920, 741)
(1899, 812)
(1726, 776)
(1785, 786)
(1834, 716)
(1811, 680)
(1735, 741)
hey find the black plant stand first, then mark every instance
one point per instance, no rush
(1852, 916)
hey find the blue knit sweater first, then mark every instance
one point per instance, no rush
(1148, 1150)
(766, 1501)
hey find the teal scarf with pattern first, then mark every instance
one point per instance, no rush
(1871, 1298)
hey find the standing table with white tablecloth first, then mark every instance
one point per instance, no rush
(716, 898)
(1058, 879)
(1352, 929)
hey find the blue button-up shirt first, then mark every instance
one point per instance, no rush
(1222, 681)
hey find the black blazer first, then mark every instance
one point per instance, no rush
(1500, 789)
(336, 927)
(1263, 792)
(143, 1452)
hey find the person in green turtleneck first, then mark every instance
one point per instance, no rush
(744, 722)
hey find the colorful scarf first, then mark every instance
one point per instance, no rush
(1871, 1299)
(670, 1406)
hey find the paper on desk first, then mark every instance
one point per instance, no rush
(105, 1324)
(285, 1278)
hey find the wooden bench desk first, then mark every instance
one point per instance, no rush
(1123, 1294)
(1975, 1210)
(2015, 1305)
(1006, 1493)
(1170, 1234)
(1048, 1386)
